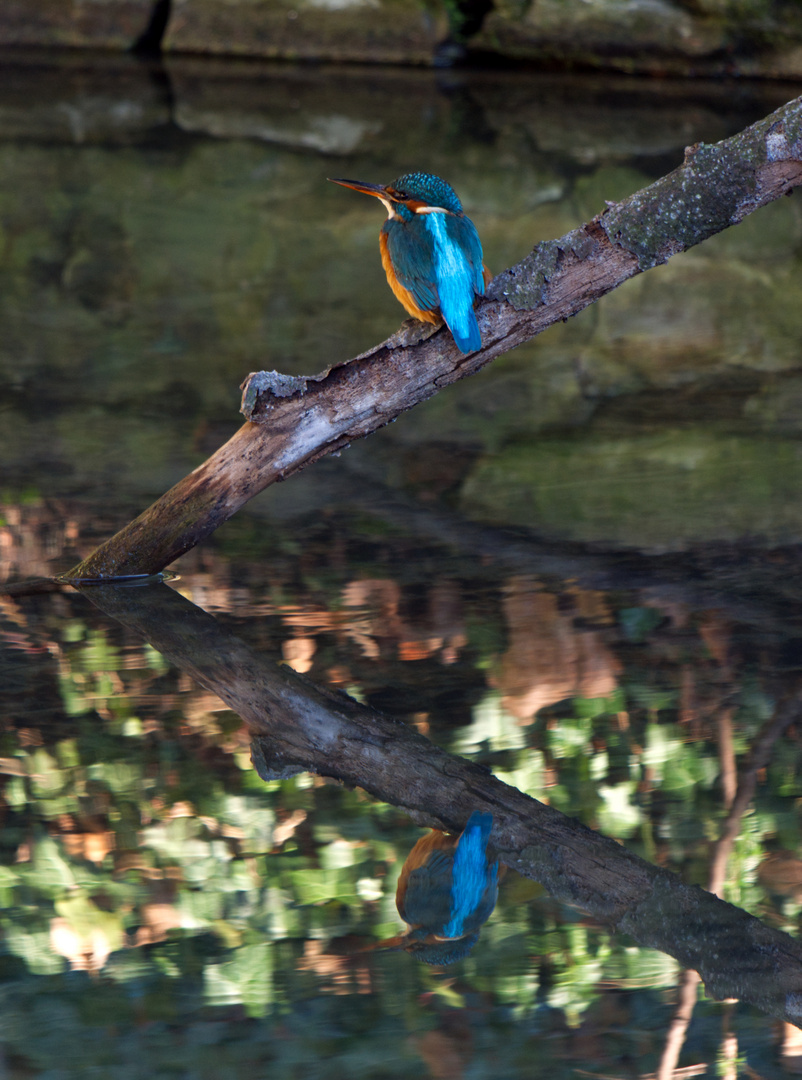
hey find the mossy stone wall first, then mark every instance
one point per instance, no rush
(761, 38)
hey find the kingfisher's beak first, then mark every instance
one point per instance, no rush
(393, 944)
(377, 190)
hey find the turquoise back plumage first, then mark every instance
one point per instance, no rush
(431, 252)
(447, 889)
(455, 890)
(438, 257)
(474, 879)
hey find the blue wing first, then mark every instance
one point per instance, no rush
(464, 233)
(458, 269)
(427, 902)
(411, 250)
(475, 881)
(438, 258)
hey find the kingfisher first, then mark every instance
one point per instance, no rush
(431, 253)
(447, 889)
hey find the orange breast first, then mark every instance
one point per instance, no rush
(404, 296)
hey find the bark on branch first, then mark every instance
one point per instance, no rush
(294, 421)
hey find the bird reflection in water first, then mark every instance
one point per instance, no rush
(447, 889)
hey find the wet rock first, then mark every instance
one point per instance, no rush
(113, 24)
(667, 37)
(650, 36)
(389, 31)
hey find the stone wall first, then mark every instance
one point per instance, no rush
(760, 38)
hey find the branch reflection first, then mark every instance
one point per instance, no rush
(298, 725)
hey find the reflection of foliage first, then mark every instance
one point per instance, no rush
(147, 872)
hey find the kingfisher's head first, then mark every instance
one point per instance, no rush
(428, 947)
(411, 194)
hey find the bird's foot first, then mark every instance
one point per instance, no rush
(412, 332)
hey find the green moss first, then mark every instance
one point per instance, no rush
(683, 208)
(523, 285)
(715, 188)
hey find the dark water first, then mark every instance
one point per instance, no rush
(579, 568)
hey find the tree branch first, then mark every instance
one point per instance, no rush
(295, 421)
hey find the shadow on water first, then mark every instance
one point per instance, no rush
(568, 587)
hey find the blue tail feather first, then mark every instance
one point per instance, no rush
(468, 338)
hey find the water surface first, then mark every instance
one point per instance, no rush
(578, 568)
